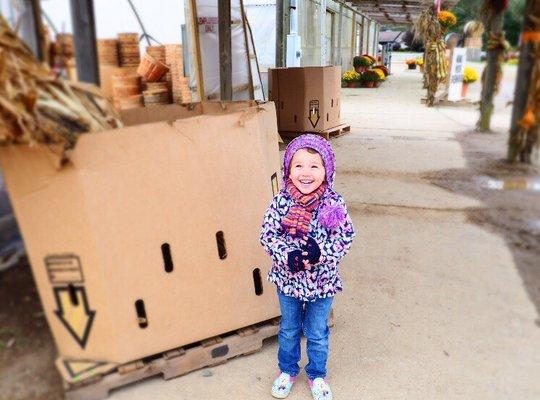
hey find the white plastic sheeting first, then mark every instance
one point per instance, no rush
(207, 26)
(262, 19)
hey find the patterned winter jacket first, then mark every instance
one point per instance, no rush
(323, 279)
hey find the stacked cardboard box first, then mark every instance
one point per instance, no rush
(149, 240)
(307, 98)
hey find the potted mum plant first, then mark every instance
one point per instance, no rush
(420, 63)
(352, 78)
(370, 58)
(383, 69)
(380, 76)
(470, 75)
(411, 63)
(361, 64)
(369, 78)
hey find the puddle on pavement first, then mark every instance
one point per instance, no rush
(535, 225)
(520, 183)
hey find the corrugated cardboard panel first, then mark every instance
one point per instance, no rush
(131, 196)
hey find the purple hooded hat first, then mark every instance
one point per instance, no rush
(330, 215)
(321, 146)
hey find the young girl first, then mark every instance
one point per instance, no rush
(306, 231)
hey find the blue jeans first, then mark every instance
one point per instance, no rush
(311, 318)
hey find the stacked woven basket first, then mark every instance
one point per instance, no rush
(136, 82)
(128, 49)
(154, 70)
(126, 89)
(108, 52)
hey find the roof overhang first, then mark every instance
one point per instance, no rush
(388, 12)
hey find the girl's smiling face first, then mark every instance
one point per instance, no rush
(307, 170)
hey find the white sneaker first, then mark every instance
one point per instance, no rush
(320, 390)
(282, 385)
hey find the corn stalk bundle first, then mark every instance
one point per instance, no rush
(428, 29)
(36, 106)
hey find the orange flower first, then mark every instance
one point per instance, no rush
(447, 19)
(529, 119)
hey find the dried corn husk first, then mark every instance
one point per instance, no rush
(428, 29)
(36, 106)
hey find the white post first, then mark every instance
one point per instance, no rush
(323, 32)
(294, 44)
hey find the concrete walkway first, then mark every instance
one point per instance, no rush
(433, 306)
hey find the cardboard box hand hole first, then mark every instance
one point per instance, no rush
(222, 250)
(167, 258)
(257, 281)
(141, 314)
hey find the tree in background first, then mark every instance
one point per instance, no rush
(491, 12)
(513, 21)
(524, 131)
(412, 43)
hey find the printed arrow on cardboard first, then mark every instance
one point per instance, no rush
(314, 117)
(76, 368)
(73, 312)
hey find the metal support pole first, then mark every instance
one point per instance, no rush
(294, 41)
(322, 33)
(84, 38)
(225, 62)
(283, 29)
(368, 35)
(279, 34)
(32, 28)
(375, 40)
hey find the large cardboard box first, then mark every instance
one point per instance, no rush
(307, 98)
(149, 240)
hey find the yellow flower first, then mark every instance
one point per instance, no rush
(419, 61)
(380, 73)
(470, 75)
(350, 76)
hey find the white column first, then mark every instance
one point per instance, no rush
(323, 32)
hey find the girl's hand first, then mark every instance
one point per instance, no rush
(311, 248)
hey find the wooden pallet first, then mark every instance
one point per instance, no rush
(102, 377)
(330, 133)
(172, 364)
